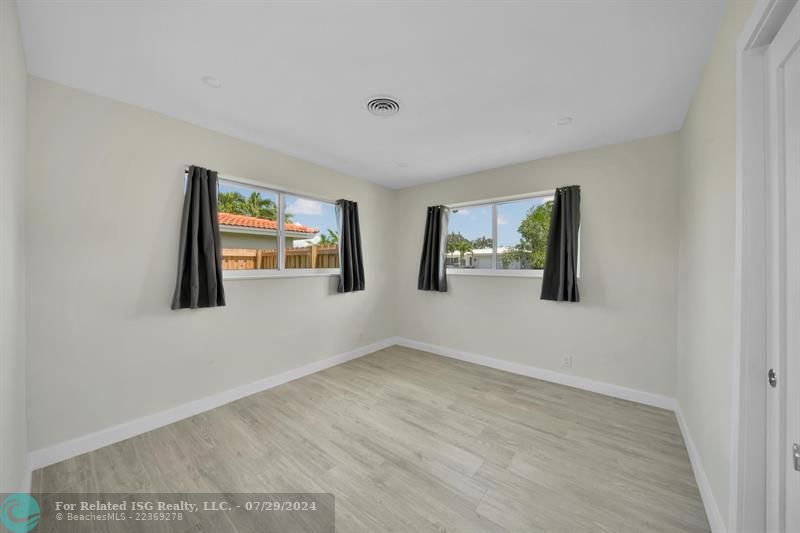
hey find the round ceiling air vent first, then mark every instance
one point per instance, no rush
(383, 106)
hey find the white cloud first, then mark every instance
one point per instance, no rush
(501, 220)
(301, 206)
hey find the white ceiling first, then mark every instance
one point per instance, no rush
(481, 84)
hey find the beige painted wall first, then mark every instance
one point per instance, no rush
(13, 420)
(104, 347)
(706, 261)
(623, 332)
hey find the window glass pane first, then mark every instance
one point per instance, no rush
(469, 237)
(311, 232)
(522, 228)
(248, 227)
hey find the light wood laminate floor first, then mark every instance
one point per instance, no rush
(410, 441)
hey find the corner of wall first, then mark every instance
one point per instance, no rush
(715, 519)
(14, 471)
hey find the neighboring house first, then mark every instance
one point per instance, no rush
(240, 231)
(477, 258)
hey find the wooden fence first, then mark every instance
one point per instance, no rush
(326, 256)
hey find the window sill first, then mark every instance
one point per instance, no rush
(268, 274)
(495, 273)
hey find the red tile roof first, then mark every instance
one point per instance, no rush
(229, 219)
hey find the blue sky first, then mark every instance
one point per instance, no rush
(307, 212)
(476, 221)
(312, 213)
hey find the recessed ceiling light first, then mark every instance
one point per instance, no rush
(383, 106)
(564, 121)
(211, 81)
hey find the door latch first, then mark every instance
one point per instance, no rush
(773, 378)
(796, 453)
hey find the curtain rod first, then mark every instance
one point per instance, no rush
(264, 185)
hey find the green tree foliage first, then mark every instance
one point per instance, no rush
(230, 202)
(458, 243)
(482, 242)
(252, 206)
(331, 238)
(533, 230)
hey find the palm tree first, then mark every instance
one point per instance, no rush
(331, 238)
(482, 242)
(463, 248)
(253, 206)
(256, 206)
(230, 202)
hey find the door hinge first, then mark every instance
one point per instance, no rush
(796, 453)
(772, 378)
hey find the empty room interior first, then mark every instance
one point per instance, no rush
(400, 266)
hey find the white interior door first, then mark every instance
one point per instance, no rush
(783, 436)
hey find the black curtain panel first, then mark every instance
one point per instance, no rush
(560, 281)
(199, 281)
(351, 261)
(432, 267)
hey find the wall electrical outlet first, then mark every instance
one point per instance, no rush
(566, 361)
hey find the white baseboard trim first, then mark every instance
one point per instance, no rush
(617, 391)
(709, 502)
(72, 448)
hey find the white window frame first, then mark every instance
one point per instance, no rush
(494, 271)
(281, 271)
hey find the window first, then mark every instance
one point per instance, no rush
(265, 230)
(522, 231)
(311, 233)
(501, 237)
(248, 226)
(469, 237)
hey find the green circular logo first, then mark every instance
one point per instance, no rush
(20, 513)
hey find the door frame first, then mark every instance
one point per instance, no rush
(754, 287)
